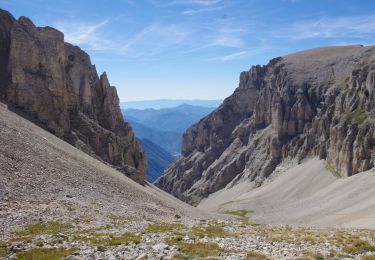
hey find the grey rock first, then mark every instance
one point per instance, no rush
(318, 102)
(160, 247)
(54, 84)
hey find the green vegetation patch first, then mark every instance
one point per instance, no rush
(118, 221)
(50, 227)
(227, 203)
(352, 244)
(211, 230)
(163, 228)
(358, 116)
(3, 250)
(343, 82)
(332, 170)
(79, 221)
(174, 240)
(256, 256)
(290, 235)
(45, 254)
(313, 256)
(257, 141)
(359, 246)
(102, 239)
(90, 231)
(39, 243)
(198, 251)
(243, 214)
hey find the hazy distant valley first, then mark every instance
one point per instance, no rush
(160, 130)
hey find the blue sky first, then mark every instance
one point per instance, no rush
(191, 49)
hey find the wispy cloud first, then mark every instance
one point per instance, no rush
(152, 39)
(338, 27)
(84, 34)
(220, 35)
(156, 37)
(227, 41)
(228, 35)
(257, 50)
(202, 10)
(231, 56)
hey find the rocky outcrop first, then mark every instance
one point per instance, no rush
(318, 102)
(55, 84)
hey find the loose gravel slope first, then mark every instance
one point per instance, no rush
(44, 178)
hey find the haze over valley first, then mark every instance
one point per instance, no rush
(160, 130)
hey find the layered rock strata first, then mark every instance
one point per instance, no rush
(54, 84)
(318, 102)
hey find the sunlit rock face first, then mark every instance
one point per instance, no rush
(54, 84)
(318, 102)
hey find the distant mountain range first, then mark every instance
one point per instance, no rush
(160, 132)
(169, 141)
(176, 119)
(169, 103)
(158, 159)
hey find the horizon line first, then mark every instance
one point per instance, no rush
(172, 99)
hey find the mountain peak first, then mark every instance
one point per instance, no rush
(55, 84)
(314, 103)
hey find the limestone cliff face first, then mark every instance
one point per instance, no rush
(313, 103)
(55, 84)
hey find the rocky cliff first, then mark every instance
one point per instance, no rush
(318, 102)
(54, 84)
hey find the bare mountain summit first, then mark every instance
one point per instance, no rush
(55, 84)
(316, 103)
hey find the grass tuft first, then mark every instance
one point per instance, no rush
(332, 170)
(358, 116)
(256, 256)
(211, 230)
(243, 214)
(50, 227)
(79, 221)
(118, 221)
(45, 254)
(359, 246)
(197, 251)
(313, 256)
(163, 228)
(3, 250)
(102, 239)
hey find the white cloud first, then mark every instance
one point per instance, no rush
(202, 10)
(222, 35)
(245, 53)
(326, 27)
(84, 34)
(156, 37)
(150, 40)
(228, 35)
(227, 41)
(232, 56)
